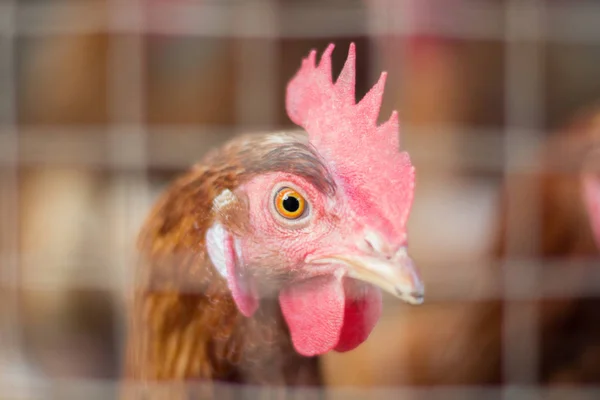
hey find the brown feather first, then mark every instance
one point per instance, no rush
(568, 327)
(184, 324)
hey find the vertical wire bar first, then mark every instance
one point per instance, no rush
(257, 67)
(15, 373)
(378, 14)
(128, 142)
(9, 191)
(523, 107)
(257, 71)
(387, 28)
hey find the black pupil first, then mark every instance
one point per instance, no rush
(291, 204)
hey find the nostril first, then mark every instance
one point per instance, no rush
(369, 244)
(387, 255)
(378, 246)
(374, 241)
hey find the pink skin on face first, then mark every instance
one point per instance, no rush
(360, 232)
(324, 309)
(292, 242)
(332, 227)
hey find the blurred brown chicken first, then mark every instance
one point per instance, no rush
(568, 327)
(571, 327)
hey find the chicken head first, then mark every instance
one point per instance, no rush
(327, 232)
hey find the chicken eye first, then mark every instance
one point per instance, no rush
(289, 203)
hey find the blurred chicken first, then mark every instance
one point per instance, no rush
(570, 353)
(589, 131)
(316, 219)
(568, 327)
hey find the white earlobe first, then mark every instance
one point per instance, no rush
(216, 237)
(223, 250)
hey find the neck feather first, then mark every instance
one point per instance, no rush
(183, 321)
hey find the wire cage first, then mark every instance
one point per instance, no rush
(103, 103)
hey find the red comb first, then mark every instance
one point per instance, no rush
(347, 135)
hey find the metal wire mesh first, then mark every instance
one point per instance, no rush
(129, 150)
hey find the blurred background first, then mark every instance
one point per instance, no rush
(103, 103)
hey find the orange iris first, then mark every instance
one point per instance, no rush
(289, 203)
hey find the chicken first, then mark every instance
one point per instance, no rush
(276, 248)
(567, 325)
(589, 174)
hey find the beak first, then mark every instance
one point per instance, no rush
(397, 275)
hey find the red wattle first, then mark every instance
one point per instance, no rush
(360, 316)
(322, 316)
(314, 312)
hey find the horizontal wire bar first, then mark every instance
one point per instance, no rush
(558, 278)
(83, 388)
(565, 23)
(177, 147)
